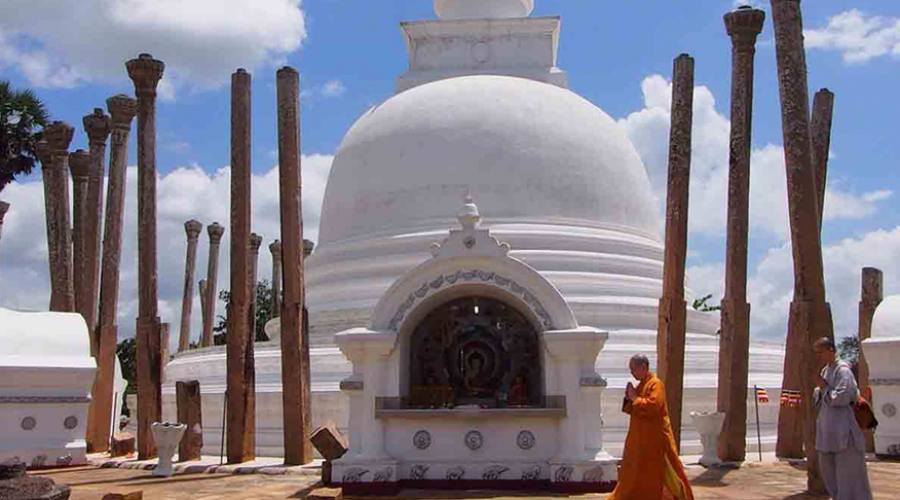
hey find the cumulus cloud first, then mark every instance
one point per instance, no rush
(858, 36)
(59, 43)
(648, 129)
(184, 193)
(770, 287)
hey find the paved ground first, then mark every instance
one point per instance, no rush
(753, 481)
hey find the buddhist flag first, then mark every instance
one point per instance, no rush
(761, 395)
(791, 398)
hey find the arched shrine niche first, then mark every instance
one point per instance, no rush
(475, 350)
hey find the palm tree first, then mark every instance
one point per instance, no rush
(22, 115)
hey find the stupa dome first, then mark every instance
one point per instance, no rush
(482, 9)
(529, 151)
(886, 321)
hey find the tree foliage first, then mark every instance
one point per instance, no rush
(264, 312)
(22, 115)
(126, 350)
(702, 304)
(848, 349)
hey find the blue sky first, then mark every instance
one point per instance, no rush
(349, 53)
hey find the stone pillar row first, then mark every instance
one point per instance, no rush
(97, 126)
(192, 229)
(53, 154)
(810, 314)
(209, 290)
(671, 334)
(743, 25)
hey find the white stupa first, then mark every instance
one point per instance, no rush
(485, 109)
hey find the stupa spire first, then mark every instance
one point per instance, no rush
(482, 9)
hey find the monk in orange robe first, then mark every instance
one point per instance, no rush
(651, 468)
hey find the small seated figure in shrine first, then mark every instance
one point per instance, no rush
(473, 382)
(518, 392)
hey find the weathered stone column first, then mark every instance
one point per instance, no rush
(215, 232)
(871, 295)
(192, 228)
(241, 387)
(146, 73)
(294, 348)
(743, 26)
(810, 315)
(4, 207)
(672, 307)
(79, 167)
(820, 133)
(122, 108)
(97, 126)
(187, 397)
(54, 158)
(275, 248)
(255, 243)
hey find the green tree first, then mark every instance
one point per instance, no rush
(263, 313)
(702, 304)
(22, 115)
(125, 350)
(848, 349)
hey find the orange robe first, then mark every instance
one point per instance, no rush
(651, 468)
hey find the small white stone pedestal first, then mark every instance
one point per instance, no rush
(882, 352)
(167, 436)
(708, 425)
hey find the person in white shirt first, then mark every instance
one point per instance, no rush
(839, 440)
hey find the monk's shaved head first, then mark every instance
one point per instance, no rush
(639, 360)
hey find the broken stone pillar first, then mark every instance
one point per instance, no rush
(192, 228)
(810, 315)
(187, 398)
(53, 152)
(146, 72)
(743, 26)
(255, 243)
(122, 108)
(871, 295)
(294, 347)
(79, 167)
(241, 385)
(672, 306)
(275, 248)
(820, 133)
(215, 232)
(4, 207)
(97, 126)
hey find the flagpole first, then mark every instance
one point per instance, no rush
(758, 438)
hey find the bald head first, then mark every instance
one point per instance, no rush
(639, 360)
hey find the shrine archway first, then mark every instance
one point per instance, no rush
(474, 350)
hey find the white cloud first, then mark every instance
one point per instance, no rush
(333, 88)
(859, 37)
(770, 286)
(183, 194)
(59, 43)
(648, 129)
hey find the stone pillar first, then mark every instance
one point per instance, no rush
(122, 108)
(187, 398)
(54, 157)
(255, 243)
(79, 167)
(743, 26)
(241, 387)
(672, 307)
(145, 72)
(4, 207)
(820, 133)
(275, 248)
(810, 315)
(192, 228)
(215, 232)
(97, 126)
(294, 347)
(871, 295)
